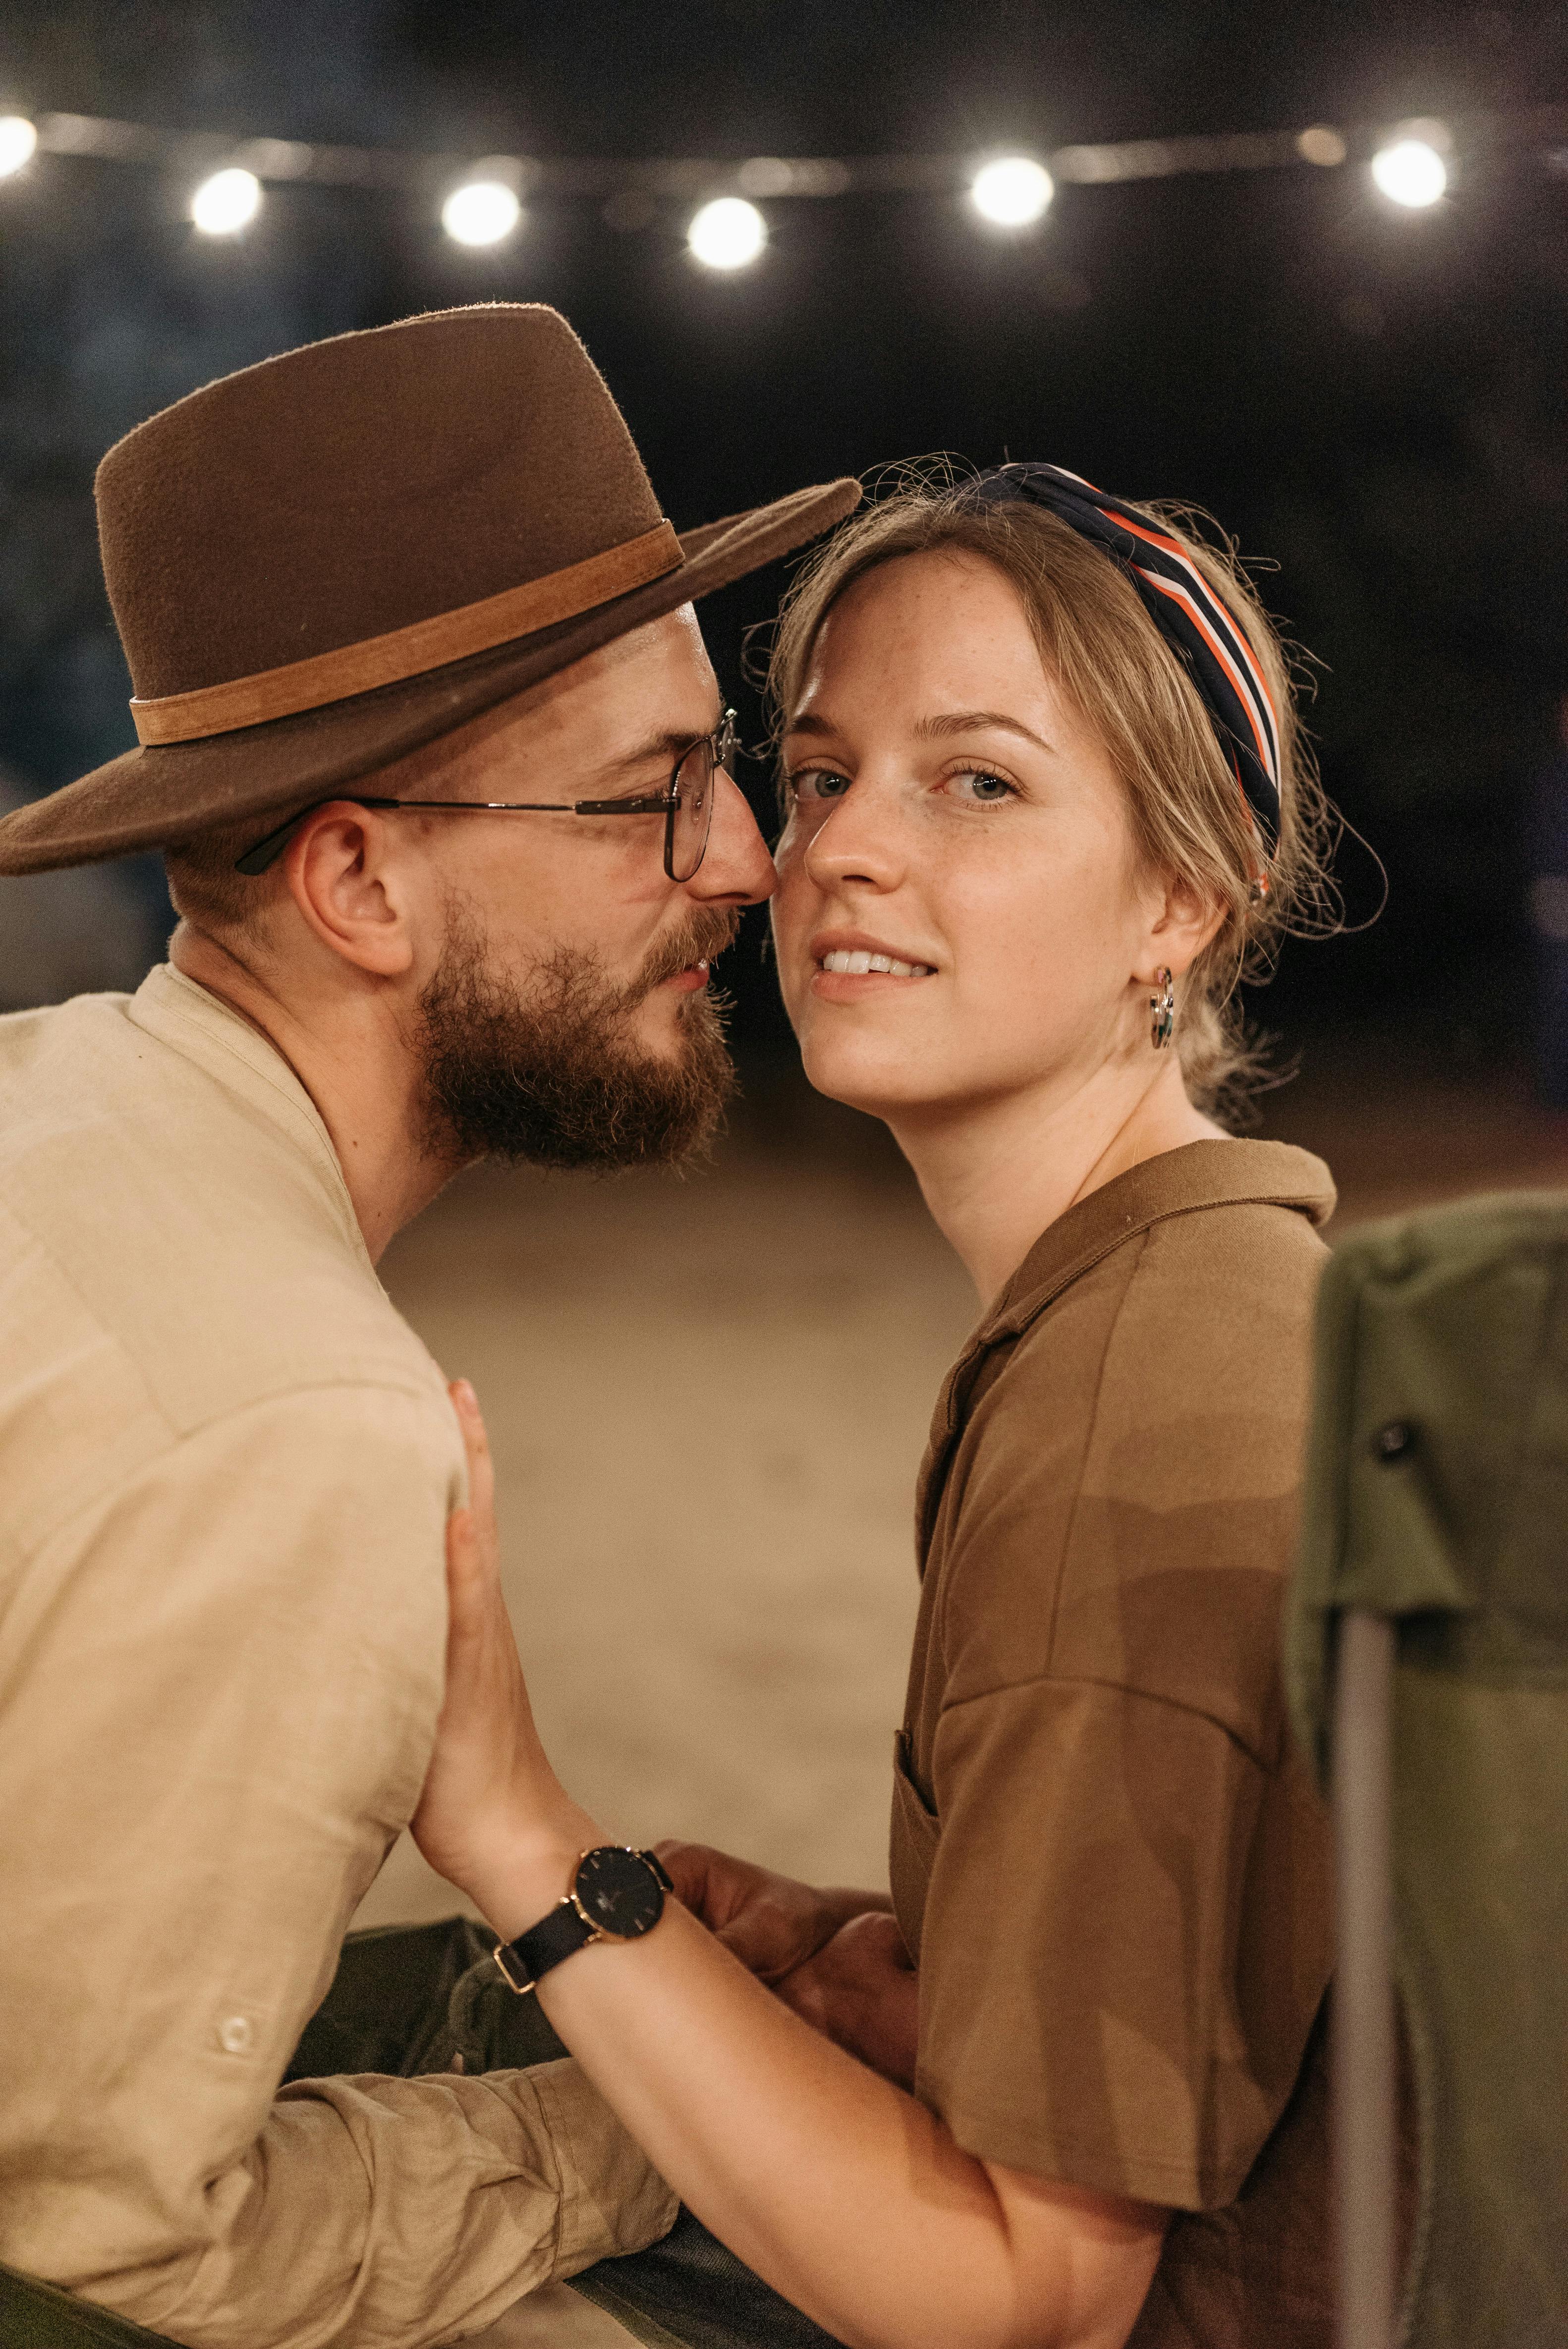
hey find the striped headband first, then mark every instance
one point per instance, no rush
(1202, 634)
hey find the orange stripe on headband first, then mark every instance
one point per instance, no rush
(1203, 633)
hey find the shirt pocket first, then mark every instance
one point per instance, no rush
(912, 1846)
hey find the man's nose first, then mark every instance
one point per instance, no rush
(737, 866)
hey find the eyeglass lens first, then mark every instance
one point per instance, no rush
(693, 813)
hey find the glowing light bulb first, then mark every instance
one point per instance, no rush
(17, 140)
(481, 211)
(727, 233)
(226, 202)
(1013, 191)
(1409, 172)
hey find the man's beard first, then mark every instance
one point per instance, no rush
(551, 1074)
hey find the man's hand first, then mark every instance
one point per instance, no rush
(861, 1991)
(771, 1923)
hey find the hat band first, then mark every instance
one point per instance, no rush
(408, 652)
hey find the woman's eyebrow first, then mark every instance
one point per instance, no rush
(975, 721)
(937, 728)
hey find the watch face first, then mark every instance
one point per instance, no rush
(618, 1892)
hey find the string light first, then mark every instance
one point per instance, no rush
(17, 140)
(1410, 172)
(728, 234)
(1012, 193)
(226, 202)
(481, 211)
(1319, 143)
(481, 201)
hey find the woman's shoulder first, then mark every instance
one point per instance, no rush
(1132, 1467)
(1211, 1251)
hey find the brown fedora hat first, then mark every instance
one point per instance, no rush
(324, 562)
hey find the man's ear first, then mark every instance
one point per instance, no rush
(1185, 922)
(350, 890)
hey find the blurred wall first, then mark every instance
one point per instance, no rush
(75, 933)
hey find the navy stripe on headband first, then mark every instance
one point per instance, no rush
(1208, 642)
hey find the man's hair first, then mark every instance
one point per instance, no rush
(1105, 652)
(207, 891)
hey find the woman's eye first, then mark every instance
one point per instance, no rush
(813, 784)
(979, 788)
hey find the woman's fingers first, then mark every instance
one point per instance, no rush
(481, 1471)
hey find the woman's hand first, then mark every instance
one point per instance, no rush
(493, 1819)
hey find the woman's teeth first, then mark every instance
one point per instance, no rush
(856, 962)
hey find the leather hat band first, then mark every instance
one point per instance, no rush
(409, 652)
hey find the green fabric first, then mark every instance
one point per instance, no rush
(689, 2292)
(407, 1999)
(1454, 1325)
(34, 2316)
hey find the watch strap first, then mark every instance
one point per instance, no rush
(559, 1935)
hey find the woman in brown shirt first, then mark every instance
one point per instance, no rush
(1044, 801)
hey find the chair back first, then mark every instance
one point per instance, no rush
(1426, 1657)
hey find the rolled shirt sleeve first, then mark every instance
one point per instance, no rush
(218, 1688)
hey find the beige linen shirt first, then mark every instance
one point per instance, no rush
(226, 1468)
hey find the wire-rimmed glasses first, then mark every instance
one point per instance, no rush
(686, 806)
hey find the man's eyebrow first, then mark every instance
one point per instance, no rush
(667, 747)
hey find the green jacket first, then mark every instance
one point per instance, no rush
(1438, 1496)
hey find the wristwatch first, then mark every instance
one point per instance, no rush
(616, 1895)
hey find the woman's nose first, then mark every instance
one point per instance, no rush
(861, 839)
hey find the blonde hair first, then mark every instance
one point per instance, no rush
(1104, 651)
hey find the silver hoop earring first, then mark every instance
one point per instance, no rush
(1162, 1025)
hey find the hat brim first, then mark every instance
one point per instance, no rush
(161, 794)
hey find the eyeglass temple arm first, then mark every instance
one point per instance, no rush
(267, 852)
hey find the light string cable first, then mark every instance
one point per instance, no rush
(481, 201)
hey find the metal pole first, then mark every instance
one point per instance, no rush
(1365, 2088)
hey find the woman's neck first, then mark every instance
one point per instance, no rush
(994, 1176)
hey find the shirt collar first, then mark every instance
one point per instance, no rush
(1175, 1183)
(194, 1021)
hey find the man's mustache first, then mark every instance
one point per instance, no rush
(698, 940)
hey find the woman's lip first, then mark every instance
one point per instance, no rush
(856, 942)
(851, 986)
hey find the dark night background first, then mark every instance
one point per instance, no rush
(1371, 399)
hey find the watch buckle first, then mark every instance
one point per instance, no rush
(522, 1987)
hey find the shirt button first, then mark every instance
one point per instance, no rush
(234, 2036)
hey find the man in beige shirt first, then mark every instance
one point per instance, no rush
(409, 635)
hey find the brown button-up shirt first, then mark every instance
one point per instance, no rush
(226, 1468)
(1111, 1867)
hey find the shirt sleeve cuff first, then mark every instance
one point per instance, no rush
(612, 2200)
